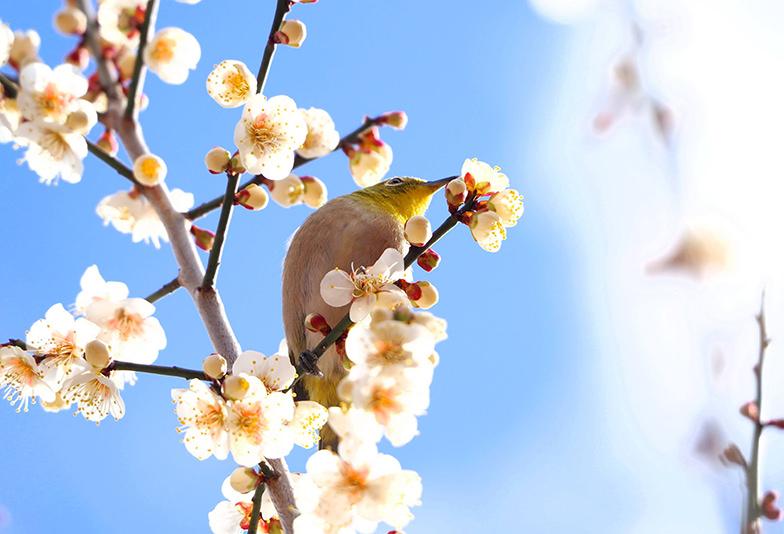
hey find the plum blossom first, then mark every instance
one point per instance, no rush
(322, 137)
(488, 230)
(231, 83)
(369, 160)
(268, 134)
(275, 372)
(62, 338)
(121, 20)
(287, 192)
(257, 424)
(95, 395)
(171, 54)
(95, 289)
(232, 516)
(395, 395)
(52, 151)
(508, 204)
(366, 288)
(6, 41)
(25, 48)
(482, 178)
(130, 213)
(128, 327)
(306, 424)
(202, 414)
(48, 95)
(22, 379)
(339, 494)
(387, 341)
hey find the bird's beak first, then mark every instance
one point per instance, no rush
(435, 185)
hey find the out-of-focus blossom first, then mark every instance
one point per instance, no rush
(25, 48)
(394, 119)
(6, 41)
(47, 94)
(149, 170)
(52, 151)
(70, 20)
(202, 414)
(130, 213)
(322, 137)
(231, 83)
(95, 289)
(268, 134)
(62, 338)
(172, 54)
(699, 252)
(365, 288)
(370, 160)
(355, 493)
(287, 192)
(121, 20)
(21, 379)
(95, 395)
(129, 328)
(10, 117)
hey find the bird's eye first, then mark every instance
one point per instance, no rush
(394, 181)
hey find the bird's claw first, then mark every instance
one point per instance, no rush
(308, 362)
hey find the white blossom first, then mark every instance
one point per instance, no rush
(488, 230)
(95, 289)
(369, 164)
(128, 328)
(275, 372)
(120, 21)
(47, 94)
(202, 414)
(322, 137)
(309, 417)
(366, 288)
(268, 134)
(383, 342)
(52, 151)
(21, 379)
(25, 48)
(231, 83)
(96, 396)
(232, 516)
(6, 41)
(10, 118)
(482, 178)
(508, 204)
(171, 54)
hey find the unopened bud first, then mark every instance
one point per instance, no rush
(235, 387)
(768, 506)
(25, 48)
(244, 479)
(291, 33)
(417, 230)
(97, 354)
(428, 297)
(215, 366)
(253, 197)
(395, 119)
(750, 410)
(217, 160)
(204, 238)
(315, 194)
(70, 21)
(456, 192)
(149, 170)
(429, 260)
(287, 192)
(126, 64)
(79, 57)
(108, 143)
(78, 121)
(315, 322)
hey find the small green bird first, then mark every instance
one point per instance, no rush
(352, 230)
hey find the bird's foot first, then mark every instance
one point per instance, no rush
(308, 362)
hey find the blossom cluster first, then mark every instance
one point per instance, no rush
(67, 357)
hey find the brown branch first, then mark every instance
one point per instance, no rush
(203, 209)
(110, 160)
(167, 289)
(220, 233)
(255, 513)
(139, 72)
(307, 363)
(751, 523)
(188, 374)
(281, 9)
(10, 87)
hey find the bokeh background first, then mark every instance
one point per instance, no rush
(577, 392)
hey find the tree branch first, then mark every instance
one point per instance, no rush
(9, 86)
(345, 323)
(752, 515)
(110, 160)
(139, 72)
(281, 9)
(220, 233)
(188, 374)
(255, 513)
(203, 209)
(166, 289)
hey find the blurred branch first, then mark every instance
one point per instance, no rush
(139, 72)
(9, 86)
(203, 209)
(166, 289)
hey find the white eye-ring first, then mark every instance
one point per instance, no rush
(393, 181)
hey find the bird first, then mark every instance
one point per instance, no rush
(348, 231)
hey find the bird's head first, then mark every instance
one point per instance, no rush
(401, 197)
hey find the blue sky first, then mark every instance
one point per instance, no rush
(528, 429)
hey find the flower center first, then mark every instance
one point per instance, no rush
(236, 84)
(354, 481)
(265, 134)
(127, 324)
(163, 51)
(366, 284)
(211, 416)
(54, 143)
(383, 403)
(52, 102)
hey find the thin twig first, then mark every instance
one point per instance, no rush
(188, 374)
(139, 72)
(167, 289)
(255, 512)
(220, 233)
(110, 160)
(281, 9)
(753, 513)
(345, 323)
(203, 209)
(10, 86)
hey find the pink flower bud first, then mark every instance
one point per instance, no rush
(768, 506)
(291, 33)
(204, 238)
(750, 410)
(429, 260)
(253, 197)
(108, 143)
(315, 322)
(215, 366)
(394, 119)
